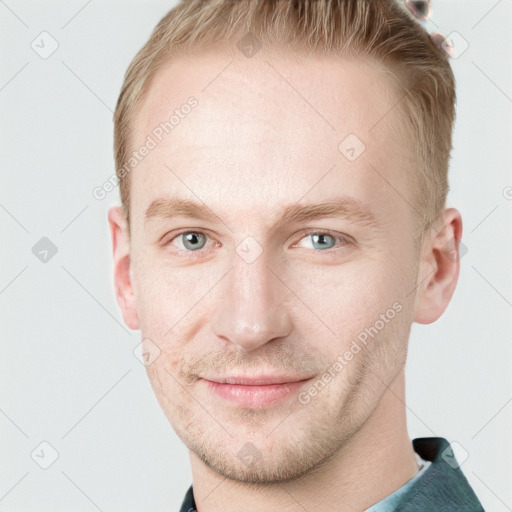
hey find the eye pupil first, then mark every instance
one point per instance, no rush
(320, 239)
(192, 238)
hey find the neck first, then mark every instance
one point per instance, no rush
(377, 460)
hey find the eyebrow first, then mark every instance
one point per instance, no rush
(341, 207)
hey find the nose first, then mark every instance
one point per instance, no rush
(251, 311)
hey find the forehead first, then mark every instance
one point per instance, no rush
(335, 94)
(271, 128)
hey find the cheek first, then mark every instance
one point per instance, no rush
(167, 392)
(161, 294)
(172, 301)
(345, 299)
(152, 292)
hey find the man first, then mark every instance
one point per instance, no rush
(303, 147)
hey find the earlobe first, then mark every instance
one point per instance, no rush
(120, 238)
(439, 268)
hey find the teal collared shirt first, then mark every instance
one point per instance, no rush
(439, 486)
(389, 503)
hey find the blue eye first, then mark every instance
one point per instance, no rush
(191, 240)
(190, 244)
(323, 240)
(194, 244)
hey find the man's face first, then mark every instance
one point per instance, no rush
(250, 294)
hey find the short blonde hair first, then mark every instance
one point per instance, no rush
(379, 29)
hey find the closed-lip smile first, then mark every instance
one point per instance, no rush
(255, 390)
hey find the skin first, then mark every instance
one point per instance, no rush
(251, 147)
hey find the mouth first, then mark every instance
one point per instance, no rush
(258, 391)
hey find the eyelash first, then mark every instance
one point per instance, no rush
(198, 254)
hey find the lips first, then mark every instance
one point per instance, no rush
(255, 391)
(264, 380)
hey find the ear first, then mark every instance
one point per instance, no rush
(121, 251)
(438, 268)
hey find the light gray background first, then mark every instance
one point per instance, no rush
(68, 373)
